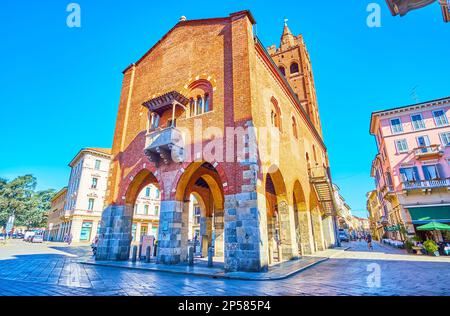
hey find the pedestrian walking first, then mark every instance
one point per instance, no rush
(369, 242)
(69, 241)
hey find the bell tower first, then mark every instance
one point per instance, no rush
(292, 58)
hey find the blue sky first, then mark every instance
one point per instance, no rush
(60, 87)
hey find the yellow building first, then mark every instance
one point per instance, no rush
(376, 217)
(55, 215)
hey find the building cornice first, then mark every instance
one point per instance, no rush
(93, 151)
(59, 194)
(406, 109)
(193, 22)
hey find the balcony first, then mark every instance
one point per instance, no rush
(426, 184)
(320, 179)
(165, 145)
(426, 152)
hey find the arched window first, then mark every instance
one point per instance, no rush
(294, 68)
(283, 70)
(315, 155)
(200, 108)
(201, 100)
(275, 115)
(294, 127)
(192, 106)
(206, 102)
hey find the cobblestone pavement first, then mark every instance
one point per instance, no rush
(53, 270)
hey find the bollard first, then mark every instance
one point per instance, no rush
(155, 248)
(147, 254)
(134, 254)
(191, 256)
(210, 257)
(140, 252)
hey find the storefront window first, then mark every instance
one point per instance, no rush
(86, 230)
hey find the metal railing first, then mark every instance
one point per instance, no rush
(426, 184)
(427, 150)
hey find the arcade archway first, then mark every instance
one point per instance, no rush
(302, 220)
(201, 184)
(278, 219)
(142, 203)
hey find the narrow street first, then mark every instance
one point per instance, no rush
(53, 270)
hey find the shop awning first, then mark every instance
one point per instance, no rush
(425, 215)
(434, 226)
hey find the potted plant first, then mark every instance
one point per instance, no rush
(431, 247)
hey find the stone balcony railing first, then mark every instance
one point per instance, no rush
(427, 184)
(165, 145)
(428, 151)
(146, 217)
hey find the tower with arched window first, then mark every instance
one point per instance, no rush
(292, 58)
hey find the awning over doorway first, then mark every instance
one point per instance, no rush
(425, 215)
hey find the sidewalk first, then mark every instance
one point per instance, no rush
(276, 272)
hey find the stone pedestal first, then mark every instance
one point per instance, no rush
(242, 234)
(306, 236)
(115, 234)
(318, 229)
(170, 233)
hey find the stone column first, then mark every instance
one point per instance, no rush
(115, 233)
(328, 231)
(75, 230)
(244, 247)
(306, 236)
(206, 233)
(318, 229)
(219, 233)
(172, 234)
(285, 231)
(293, 233)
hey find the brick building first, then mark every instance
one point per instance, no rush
(209, 113)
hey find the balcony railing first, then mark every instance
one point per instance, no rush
(426, 184)
(166, 145)
(427, 151)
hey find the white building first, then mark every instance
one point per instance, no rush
(345, 218)
(84, 203)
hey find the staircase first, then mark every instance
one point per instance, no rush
(320, 179)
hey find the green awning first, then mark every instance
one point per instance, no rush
(425, 215)
(434, 226)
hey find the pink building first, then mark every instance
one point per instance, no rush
(412, 167)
